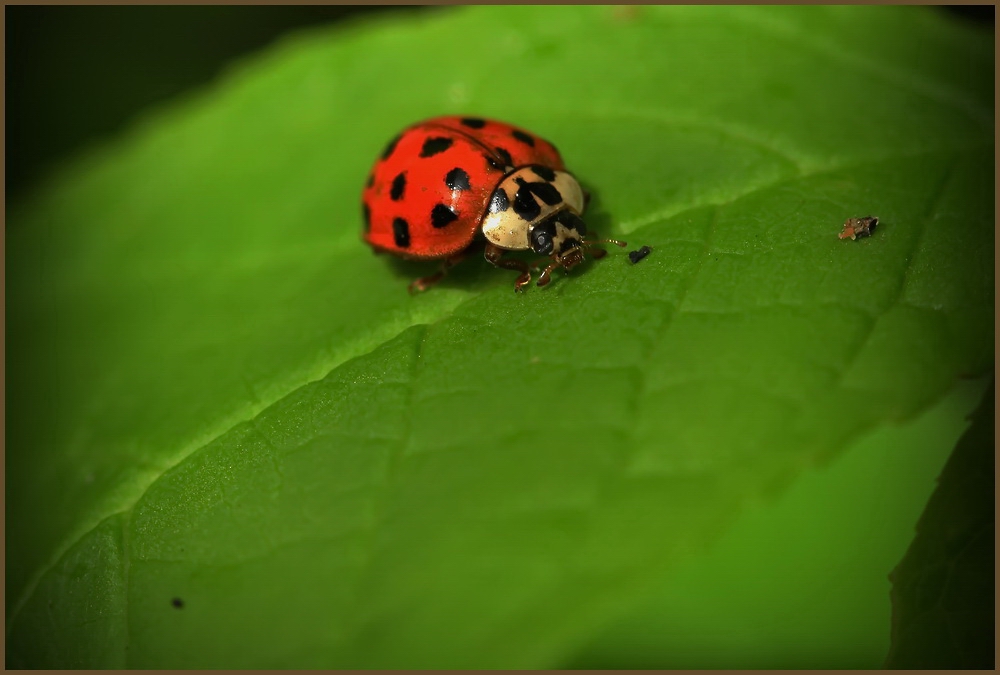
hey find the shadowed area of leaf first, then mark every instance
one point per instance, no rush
(944, 589)
(216, 393)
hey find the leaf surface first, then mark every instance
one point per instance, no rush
(801, 580)
(218, 396)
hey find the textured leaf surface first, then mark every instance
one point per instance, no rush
(217, 396)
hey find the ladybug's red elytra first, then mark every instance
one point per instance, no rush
(441, 184)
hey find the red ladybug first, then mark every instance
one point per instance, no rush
(447, 181)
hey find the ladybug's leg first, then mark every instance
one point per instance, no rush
(494, 254)
(422, 284)
(544, 278)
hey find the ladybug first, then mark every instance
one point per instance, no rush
(445, 183)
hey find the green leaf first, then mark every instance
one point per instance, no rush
(218, 396)
(800, 581)
(943, 591)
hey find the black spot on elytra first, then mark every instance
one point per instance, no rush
(401, 233)
(435, 145)
(524, 204)
(391, 147)
(442, 216)
(178, 603)
(523, 137)
(398, 187)
(368, 215)
(542, 236)
(505, 157)
(494, 162)
(473, 122)
(543, 172)
(457, 179)
(571, 221)
(499, 203)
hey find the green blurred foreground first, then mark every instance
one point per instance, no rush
(235, 441)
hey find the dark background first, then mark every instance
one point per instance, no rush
(76, 75)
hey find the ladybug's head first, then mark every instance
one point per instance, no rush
(563, 238)
(560, 235)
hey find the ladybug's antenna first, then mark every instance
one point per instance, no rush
(616, 242)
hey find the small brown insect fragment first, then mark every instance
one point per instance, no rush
(859, 228)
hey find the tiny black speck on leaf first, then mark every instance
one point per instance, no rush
(178, 603)
(636, 256)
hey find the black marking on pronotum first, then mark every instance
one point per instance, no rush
(368, 215)
(571, 221)
(442, 216)
(473, 122)
(636, 256)
(523, 137)
(389, 148)
(457, 179)
(524, 204)
(542, 236)
(547, 192)
(499, 203)
(178, 603)
(505, 157)
(401, 233)
(543, 172)
(398, 187)
(433, 146)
